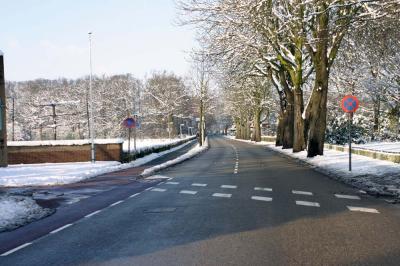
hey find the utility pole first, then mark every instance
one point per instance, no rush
(53, 106)
(3, 126)
(91, 126)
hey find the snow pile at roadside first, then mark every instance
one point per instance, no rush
(372, 175)
(193, 152)
(16, 211)
(65, 173)
(144, 144)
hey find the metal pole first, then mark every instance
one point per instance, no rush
(129, 140)
(350, 122)
(54, 121)
(3, 127)
(93, 155)
(13, 119)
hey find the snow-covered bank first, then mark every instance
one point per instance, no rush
(65, 173)
(374, 176)
(391, 147)
(193, 152)
(16, 211)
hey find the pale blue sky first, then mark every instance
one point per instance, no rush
(48, 38)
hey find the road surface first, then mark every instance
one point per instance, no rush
(236, 204)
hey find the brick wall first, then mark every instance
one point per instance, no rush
(63, 154)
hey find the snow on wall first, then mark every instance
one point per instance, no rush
(63, 142)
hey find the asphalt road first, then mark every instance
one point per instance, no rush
(236, 204)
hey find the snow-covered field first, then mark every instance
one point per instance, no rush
(64, 173)
(143, 144)
(392, 147)
(18, 210)
(372, 175)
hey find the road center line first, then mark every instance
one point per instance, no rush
(61, 228)
(299, 192)
(15, 249)
(91, 214)
(261, 198)
(158, 189)
(134, 195)
(148, 188)
(222, 195)
(263, 189)
(228, 186)
(361, 209)
(116, 203)
(341, 196)
(307, 203)
(199, 185)
(191, 192)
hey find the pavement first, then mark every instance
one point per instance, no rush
(236, 204)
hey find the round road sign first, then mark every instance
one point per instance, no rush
(129, 122)
(350, 103)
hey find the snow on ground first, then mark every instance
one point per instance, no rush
(191, 153)
(64, 173)
(62, 142)
(18, 210)
(373, 175)
(391, 147)
(143, 144)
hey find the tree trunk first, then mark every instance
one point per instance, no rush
(318, 101)
(256, 124)
(298, 138)
(377, 113)
(279, 130)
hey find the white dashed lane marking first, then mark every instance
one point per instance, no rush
(60, 229)
(134, 195)
(93, 213)
(299, 192)
(307, 203)
(361, 209)
(222, 195)
(116, 203)
(158, 189)
(148, 188)
(199, 185)
(340, 196)
(263, 188)
(15, 249)
(261, 198)
(228, 186)
(172, 183)
(191, 192)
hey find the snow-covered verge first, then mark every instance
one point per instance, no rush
(191, 153)
(391, 147)
(16, 211)
(374, 176)
(62, 142)
(65, 173)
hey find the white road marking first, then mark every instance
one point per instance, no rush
(93, 213)
(61, 228)
(15, 249)
(199, 185)
(361, 209)
(191, 192)
(222, 195)
(170, 178)
(340, 196)
(158, 189)
(228, 186)
(172, 183)
(148, 188)
(263, 188)
(299, 192)
(134, 195)
(116, 203)
(261, 198)
(307, 203)
(161, 183)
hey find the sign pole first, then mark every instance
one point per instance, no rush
(129, 140)
(350, 122)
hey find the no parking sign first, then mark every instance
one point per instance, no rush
(350, 104)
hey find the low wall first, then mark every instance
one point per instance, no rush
(392, 157)
(63, 153)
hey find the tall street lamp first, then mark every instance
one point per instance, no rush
(91, 125)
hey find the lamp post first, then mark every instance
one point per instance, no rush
(3, 127)
(91, 126)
